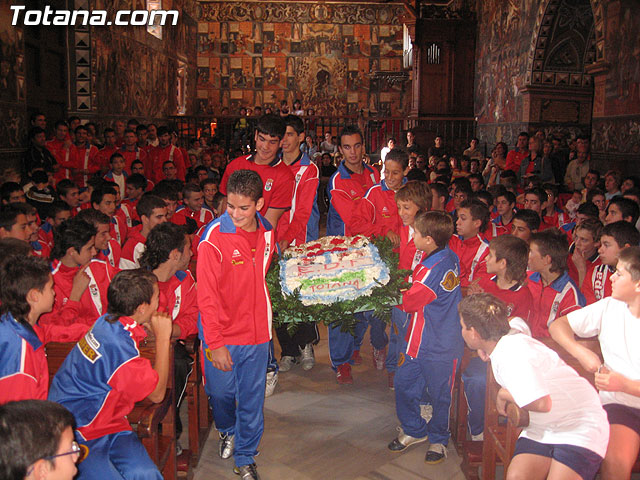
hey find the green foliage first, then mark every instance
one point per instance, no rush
(289, 310)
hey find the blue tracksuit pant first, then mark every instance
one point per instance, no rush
(475, 386)
(117, 456)
(342, 344)
(397, 333)
(237, 397)
(412, 376)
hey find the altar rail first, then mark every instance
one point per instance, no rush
(457, 131)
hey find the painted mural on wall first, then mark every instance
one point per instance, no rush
(321, 54)
(622, 94)
(504, 34)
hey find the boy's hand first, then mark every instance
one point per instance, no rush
(161, 326)
(609, 381)
(503, 397)
(283, 244)
(394, 237)
(80, 283)
(221, 359)
(474, 288)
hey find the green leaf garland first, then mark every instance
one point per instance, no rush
(289, 310)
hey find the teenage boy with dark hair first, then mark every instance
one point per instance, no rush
(152, 211)
(536, 199)
(192, 207)
(101, 380)
(38, 157)
(165, 152)
(621, 208)
(29, 211)
(434, 344)
(12, 192)
(278, 182)
(507, 262)
(135, 187)
(105, 200)
(583, 252)
(68, 193)
(567, 434)
(439, 195)
(295, 227)
(236, 249)
(57, 213)
(614, 237)
(60, 146)
(614, 320)
(14, 224)
(346, 189)
(470, 246)
(116, 173)
(37, 442)
(109, 148)
(108, 248)
(167, 254)
(84, 157)
(524, 224)
(137, 167)
(167, 192)
(130, 151)
(554, 292)
(552, 214)
(506, 209)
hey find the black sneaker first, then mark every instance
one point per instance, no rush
(225, 445)
(247, 472)
(436, 453)
(403, 441)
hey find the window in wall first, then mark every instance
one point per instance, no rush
(433, 54)
(407, 49)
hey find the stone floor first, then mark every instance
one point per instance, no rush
(316, 429)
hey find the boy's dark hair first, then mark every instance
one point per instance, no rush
(624, 233)
(96, 182)
(39, 176)
(628, 207)
(199, 168)
(591, 225)
(484, 197)
(12, 247)
(94, 217)
(207, 181)
(141, 128)
(509, 196)
(497, 190)
(399, 156)
(74, 233)
(515, 251)
(247, 183)
(17, 277)
(349, 130)
(166, 190)
(272, 125)
(477, 176)
(162, 240)
(631, 258)
(593, 192)
(191, 177)
(438, 189)
(108, 130)
(294, 122)
(488, 315)
(538, 192)
(478, 211)
(30, 430)
(137, 181)
(33, 131)
(8, 216)
(437, 225)
(462, 183)
(161, 130)
(553, 188)
(595, 172)
(80, 127)
(136, 162)
(416, 192)
(64, 186)
(217, 200)
(127, 291)
(25, 208)
(148, 203)
(553, 243)
(531, 218)
(56, 207)
(7, 189)
(589, 209)
(190, 188)
(167, 163)
(98, 194)
(114, 156)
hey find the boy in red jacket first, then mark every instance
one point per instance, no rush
(235, 323)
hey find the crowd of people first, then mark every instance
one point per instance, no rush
(103, 246)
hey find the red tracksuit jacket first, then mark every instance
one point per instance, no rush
(472, 253)
(178, 298)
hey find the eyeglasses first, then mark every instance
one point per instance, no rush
(76, 449)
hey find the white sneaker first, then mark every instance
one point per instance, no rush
(307, 358)
(426, 412)
(477, 438)
(272, 381)
(286, 363)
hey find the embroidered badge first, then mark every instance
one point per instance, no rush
(268, 185)
(89, 346)
(400, 358)
(450, 281)
(208, 354)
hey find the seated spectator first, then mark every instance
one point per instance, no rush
(152, 211)
(193, 207)
(38, 157)
(621, 208)
(40, 194)
(13, 224)
(516, 156)
(116, 172)
(583, 253)
(37, 441)
(472, 248)
(136, 185)
(524, 224)
(57, 213)
(612, 180)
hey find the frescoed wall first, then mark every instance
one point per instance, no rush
(263, 53)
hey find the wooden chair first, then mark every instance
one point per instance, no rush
(200, 418)
(154, 423)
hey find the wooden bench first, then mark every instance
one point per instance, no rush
(154, 423)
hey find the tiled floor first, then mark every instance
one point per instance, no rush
(316, 429)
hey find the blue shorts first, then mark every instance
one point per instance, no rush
(581, 460)
(623, 415)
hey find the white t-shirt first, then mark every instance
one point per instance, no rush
(119, 180)
(530, 370)
(618, 332)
